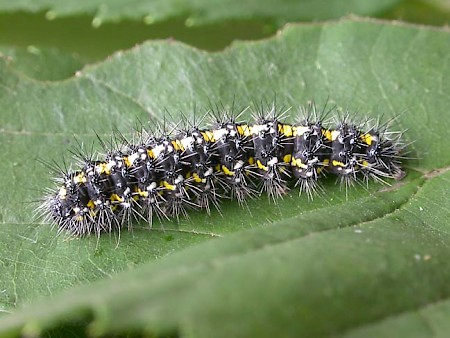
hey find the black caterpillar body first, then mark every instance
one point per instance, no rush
(164, 175)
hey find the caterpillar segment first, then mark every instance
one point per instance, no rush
(198, 159)
(234, 158)
(272, 142)
(310, 155)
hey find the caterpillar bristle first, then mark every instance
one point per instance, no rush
(164, 171)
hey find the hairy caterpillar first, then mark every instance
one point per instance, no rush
(165, 173)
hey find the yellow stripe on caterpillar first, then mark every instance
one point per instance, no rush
(327, 134)
(91, 204)
(142, 193)
(261, 166)
(296, 162)
(365, 164)
(168, 186)
(366, 138)
(227, 171)
(208, 136)
(285, 129)
(338, 164)
(178, 145)
(115, 197)
(102, 168)
(80, 178)
(244, 130)
(198, 179)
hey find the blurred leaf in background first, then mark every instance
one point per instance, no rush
(95, 29)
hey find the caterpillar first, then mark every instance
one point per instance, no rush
(163, 174)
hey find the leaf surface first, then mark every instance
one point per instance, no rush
(256, 270)
(44, 64)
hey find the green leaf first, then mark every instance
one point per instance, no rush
(297, 267)
(199, 11)
(95, 29)
(428, 12)
(77, 35)
(41, 64)
(428, 321)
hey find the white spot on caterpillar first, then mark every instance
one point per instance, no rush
(158, 150)
(239, 164)
(133, 157)
(179, 179)
(219, 133)
(273, 161)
